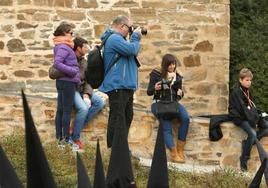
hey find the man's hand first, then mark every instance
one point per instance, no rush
(138, 30)
(157, 86)
(87, 100)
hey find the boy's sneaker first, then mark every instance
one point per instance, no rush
(79, 143)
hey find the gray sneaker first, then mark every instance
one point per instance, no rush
(62, 144)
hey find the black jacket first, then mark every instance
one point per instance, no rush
(215, 132)
(155, 76)
(83, 87)
(238, 108)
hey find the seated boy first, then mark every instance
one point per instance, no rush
(243, 112)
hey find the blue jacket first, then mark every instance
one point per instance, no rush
(123, 74)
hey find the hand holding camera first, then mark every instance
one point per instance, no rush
(158, 86)
(179, 92)
(137, 29)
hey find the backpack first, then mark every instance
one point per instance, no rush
(95, 65)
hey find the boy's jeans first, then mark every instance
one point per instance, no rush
(183, 129)
(65, 98)
(252, 135)
(85, 113)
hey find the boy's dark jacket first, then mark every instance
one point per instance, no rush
(155, 76)
(238, 108)
(238, 112)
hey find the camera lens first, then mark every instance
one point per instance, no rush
(132, 28)
(143, 31)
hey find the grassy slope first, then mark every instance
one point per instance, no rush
(63, 165)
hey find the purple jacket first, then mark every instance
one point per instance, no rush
(65, 61)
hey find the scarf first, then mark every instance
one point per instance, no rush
(64, 40)
(171, 76)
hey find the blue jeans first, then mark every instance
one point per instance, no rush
(252, 136)
(65, 98)
(182, 130)
(84, 113)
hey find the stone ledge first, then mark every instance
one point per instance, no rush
(142, 136)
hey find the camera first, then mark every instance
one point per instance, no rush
(166, 89)
(132, 28)
(165, 84)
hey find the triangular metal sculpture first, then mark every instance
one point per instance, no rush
(120, 174)
(8, 176)
(158, 177)
(82, 176)
(258, 177)
(263, 155)
(99, 177)
(38, 171)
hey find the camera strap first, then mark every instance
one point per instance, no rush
(250, 102)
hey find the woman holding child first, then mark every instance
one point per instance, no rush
(168, 74)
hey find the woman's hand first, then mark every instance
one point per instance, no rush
(157, 86)
(179, 92)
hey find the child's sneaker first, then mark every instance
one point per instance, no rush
(79, 143)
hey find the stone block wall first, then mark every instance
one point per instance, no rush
(199, 150)
(197, 32)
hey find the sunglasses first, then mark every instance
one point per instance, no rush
(70, 32)
(127, 26)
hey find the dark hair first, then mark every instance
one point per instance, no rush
(62, 29)
(167, 60)
(79, 42)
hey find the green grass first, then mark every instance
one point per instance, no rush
(63, 166)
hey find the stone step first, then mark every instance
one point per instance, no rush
(189, 166)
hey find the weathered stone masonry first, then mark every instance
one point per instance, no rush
(197, 32)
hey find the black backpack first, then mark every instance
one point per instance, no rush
(95, 65)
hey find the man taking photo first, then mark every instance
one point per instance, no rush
(121, 79)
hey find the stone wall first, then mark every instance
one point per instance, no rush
(197, 32)
(199, 149)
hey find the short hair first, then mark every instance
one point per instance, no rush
(245, 72)
(120, 20)
(63, 28)
(79, 42)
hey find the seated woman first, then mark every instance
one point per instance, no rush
(170, 77)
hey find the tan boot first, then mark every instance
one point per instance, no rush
(180, 149)
(174, 157)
